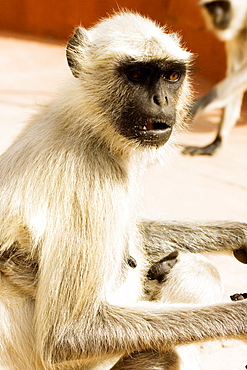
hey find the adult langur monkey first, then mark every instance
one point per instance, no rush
(69, 192)
(228, 20)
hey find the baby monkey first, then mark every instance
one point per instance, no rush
(171, 279)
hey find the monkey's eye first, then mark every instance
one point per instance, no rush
(137, 75)
(172, 76)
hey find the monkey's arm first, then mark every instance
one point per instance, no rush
(124, 330)
(81, 324)
(162, 237)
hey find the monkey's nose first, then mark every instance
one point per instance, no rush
(160, 101)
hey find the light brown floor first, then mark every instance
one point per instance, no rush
(200, 187)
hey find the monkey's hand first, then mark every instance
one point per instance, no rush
(238, 296)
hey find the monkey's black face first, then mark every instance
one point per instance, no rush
(220, 11)
(151, 94)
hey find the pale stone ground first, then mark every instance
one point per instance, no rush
(200, 188)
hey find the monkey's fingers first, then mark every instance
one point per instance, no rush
(241, 255)
(238, 296)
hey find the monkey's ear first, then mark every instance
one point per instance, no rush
(161, 269)
(75, 50)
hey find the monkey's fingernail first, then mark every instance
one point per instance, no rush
(132, 262)
(241, 255)
(237, 297)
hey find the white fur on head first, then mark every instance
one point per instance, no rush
(122, 35)
(137, 36)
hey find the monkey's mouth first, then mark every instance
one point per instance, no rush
(153, 133)
(148, 132)
(154, 126)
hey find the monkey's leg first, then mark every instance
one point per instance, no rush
(228, 94)
(162, 237)
(221, 94)
(230, 115)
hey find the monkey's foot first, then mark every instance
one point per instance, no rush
(205, 150)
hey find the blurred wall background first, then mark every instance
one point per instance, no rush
(56, 19)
